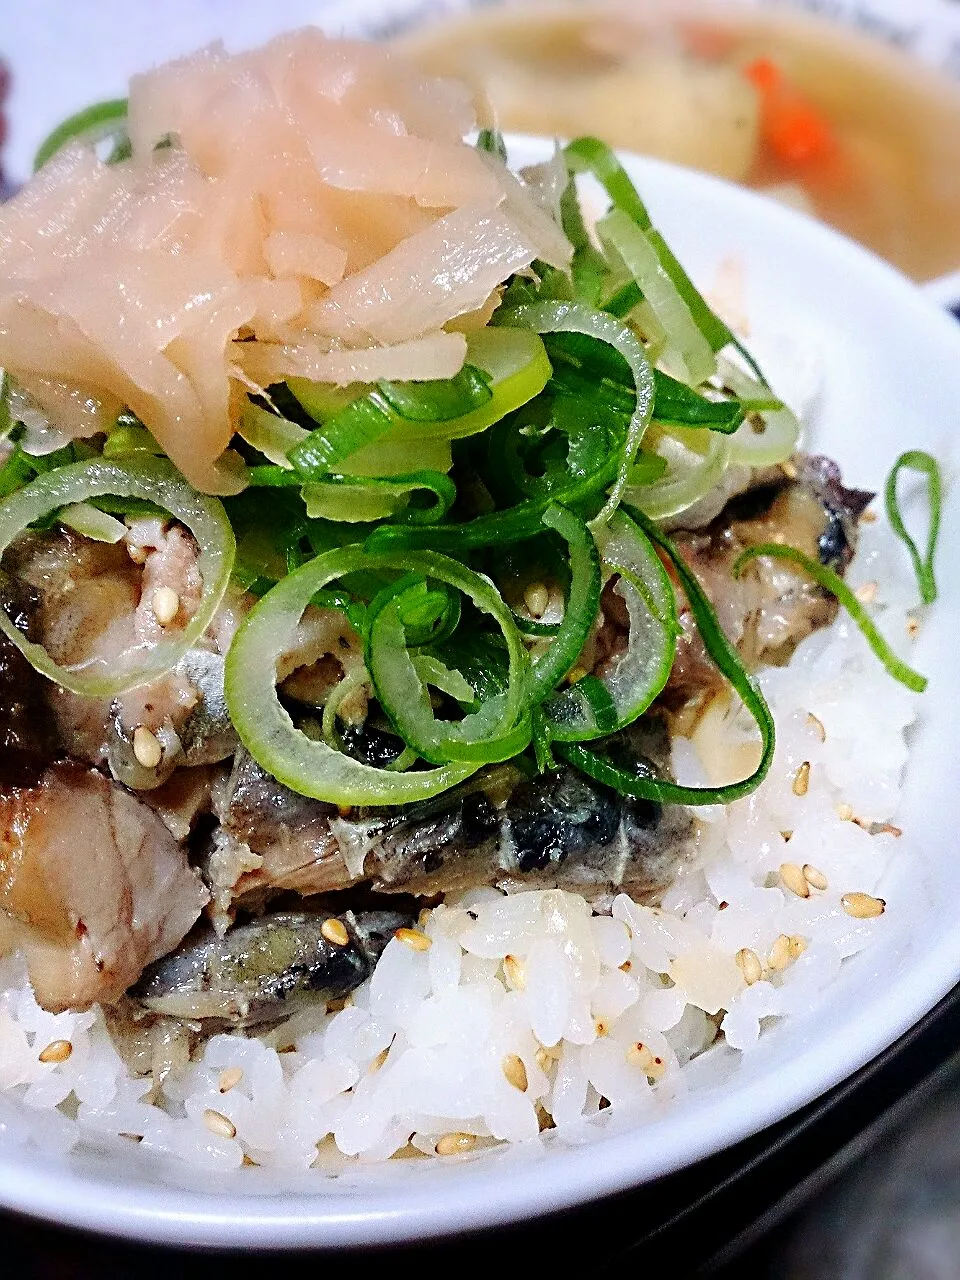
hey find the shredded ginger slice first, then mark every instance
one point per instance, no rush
(314, 196)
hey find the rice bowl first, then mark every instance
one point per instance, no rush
(847, 338)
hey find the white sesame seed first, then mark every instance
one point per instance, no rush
(913, 625)
(219, 1124)
(452, 1144)
(814, 877)
(335, 932)
(793, 879)
(165, 605)
(868, 517)
(56, 1051)
(602, 1027)
(536, 598)
(866, 593)
(780, 956)
(816, 724)
(230, 1077)
(515, 1071)
(750, 966)
(862, 906)
(378, 1061)
(801, 779)
(414, 939)
(146, 747)
(844, 812)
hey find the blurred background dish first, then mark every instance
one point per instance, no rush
(829, 120)
(848, 124)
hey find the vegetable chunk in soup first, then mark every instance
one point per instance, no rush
(860, 135)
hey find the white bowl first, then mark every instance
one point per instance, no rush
(891, 380)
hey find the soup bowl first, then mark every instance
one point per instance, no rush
(889, 376)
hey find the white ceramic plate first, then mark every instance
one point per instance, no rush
(891, 380)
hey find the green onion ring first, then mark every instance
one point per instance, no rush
(832, 582)
(583, 602)
(497, 729)
(645, 786)
(89, 126)
(309, 767)
(918, 460)
(153, 480)
(593, 706)
(575, 317)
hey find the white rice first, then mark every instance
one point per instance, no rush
(603, 1011)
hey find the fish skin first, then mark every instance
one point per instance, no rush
(267, 969)
(555, 830)
(773, 605)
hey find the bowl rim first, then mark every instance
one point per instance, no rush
(472, 1200)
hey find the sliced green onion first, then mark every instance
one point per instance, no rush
(309, 767)
(678, 405)
(439, 676)
(518, 369)
(326, 449)
(491, 141)
(17, 470)
(439, 401)
(517, 364)
(499, 528)
(270, 434)
(387, 458)
(589, 269)
(494, 731)
(686, 342)
(694, 466)
(583, 601)
(89, 126)
(92, 523)
(707, 321)
(129, 438)
(357, 500)
(830, 581)
(771, 430)
(580, 369)
(642, 783)
(918, 460)
(636, 677)
(590, 155)
(156, 481)
(575, 317)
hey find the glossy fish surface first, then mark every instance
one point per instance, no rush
(268, 968)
